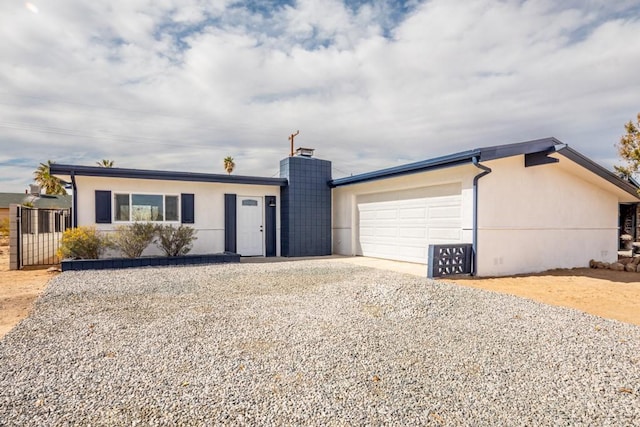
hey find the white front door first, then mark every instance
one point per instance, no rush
(249, 226)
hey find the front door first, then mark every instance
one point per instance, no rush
(250, 228)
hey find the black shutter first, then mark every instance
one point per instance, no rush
(187, 208)
(230, 223)
(103, 207)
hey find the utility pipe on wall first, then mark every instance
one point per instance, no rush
(485, 171)
(74, 214)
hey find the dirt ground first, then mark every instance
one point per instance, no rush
(18, 291)
(605, 293)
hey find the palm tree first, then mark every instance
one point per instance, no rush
(50, 184)
(104, 163)
(229, 165)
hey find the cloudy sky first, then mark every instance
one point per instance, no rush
(180, 84)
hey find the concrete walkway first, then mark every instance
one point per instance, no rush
(382, 264)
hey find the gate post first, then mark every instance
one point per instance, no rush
(14, 237)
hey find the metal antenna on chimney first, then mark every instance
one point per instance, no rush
(291, 137)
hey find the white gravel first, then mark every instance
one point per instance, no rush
(309, 343)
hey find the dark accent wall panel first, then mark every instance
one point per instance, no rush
(103, 207)
(305, 207)
(230, 223)
(187, 208)
(270, 225)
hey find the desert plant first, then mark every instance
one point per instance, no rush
(175, 241)
(83, 243)
(133, 239)
(4, 228)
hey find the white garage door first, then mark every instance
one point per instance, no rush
(400, 225)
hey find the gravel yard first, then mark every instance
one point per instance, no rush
(309, 342)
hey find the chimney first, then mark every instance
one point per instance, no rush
(305, 152)
(34, 190)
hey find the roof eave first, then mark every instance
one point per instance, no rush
(411, 168)
(68, 170)
(607, 175)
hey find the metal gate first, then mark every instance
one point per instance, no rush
(39, 233)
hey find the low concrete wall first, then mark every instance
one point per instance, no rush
(111, 263)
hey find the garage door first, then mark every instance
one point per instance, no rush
(400, 225)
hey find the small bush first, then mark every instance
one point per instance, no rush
(175, 241)
(83, 243)
(4, 228)
(133, 239)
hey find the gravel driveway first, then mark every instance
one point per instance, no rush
(309, 342)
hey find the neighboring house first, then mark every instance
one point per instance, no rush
(43, 201)
(524, 207)
(7, 199)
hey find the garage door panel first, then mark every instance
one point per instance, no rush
(386, 232)
(367, 231)
(409, 213)
(448, 212)
(401, 225)
(413, 233)
(444, 234)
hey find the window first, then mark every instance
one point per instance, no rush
(44, 221)
(145, 207)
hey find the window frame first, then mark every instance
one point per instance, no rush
(130, 195)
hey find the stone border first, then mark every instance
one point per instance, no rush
(624, 264)
(111, 263)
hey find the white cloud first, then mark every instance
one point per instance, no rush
(181, 84)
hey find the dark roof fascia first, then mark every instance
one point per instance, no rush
(590, 165)
(96, 171)
(482, 154)
(528, 147)
(422, 166)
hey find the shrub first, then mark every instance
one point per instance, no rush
(4, 228)
(175, 241)
(133, 239)
(83, 243)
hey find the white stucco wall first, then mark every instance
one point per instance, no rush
(208, 205)
(549, 216)
(344, 221)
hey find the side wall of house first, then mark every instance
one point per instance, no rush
(345, 202)
(209, 205)
(542, 217)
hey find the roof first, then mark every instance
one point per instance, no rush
(50, 201)
(7, 199)
(545, 145)
(67, 171)
(44, 201)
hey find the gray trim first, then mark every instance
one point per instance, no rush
(59, 169)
